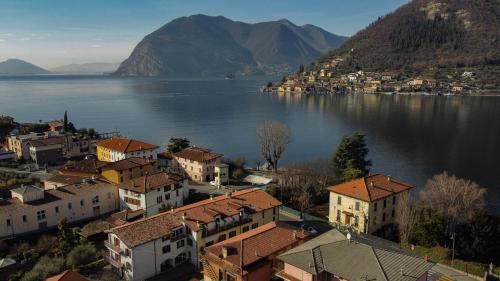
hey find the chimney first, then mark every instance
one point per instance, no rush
(388, 179)
(211, 197)
(371, 183)
(225, 251)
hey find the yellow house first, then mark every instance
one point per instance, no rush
(369, 203)
(123, 171)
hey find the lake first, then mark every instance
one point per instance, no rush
(410, 137)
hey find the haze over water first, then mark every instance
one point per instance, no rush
(410, 137)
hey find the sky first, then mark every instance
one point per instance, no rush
(51, 33)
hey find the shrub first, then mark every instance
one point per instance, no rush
(81, 255)
(45, 267)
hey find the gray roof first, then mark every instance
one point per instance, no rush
(25, 189)
(362, 258)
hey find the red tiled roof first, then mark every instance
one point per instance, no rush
(197, 154)
(125, 145)
(149, 182)
(154, 227)
(253, 200)
(67, 275)
(128, 163)
(371, 188)
(258, 243)
(86, 166)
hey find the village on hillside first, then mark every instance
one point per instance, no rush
(324, 78)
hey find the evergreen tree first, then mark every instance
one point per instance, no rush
(65, 126)
(177, 144)
(350, 160)
(66, 238)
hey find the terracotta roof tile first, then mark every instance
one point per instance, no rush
(125, 145)
(252, 200)
(258, 243)
(67, 275)
(197, 154)
(152, 181)
(371, 188)
(154, 227)
(128, 163)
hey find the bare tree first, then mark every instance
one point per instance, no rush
(406, 219)
(273, 138)
(459, 200)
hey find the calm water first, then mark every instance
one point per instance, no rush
(410, 137)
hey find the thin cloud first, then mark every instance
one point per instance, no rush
(2, 40)
(95, 46)
(23, 39)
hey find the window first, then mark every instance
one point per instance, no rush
(385, 203)
(245, 229)
(189, 242)
(393, 213)
(128, 266)
(356, 221)
(24, 218)
(255, 225)
(167, 196)
(95, 200)
(158, 189)
(375, 206)
(339, 200)
(165, 188)
(159, 199)
(274, 211)
(177, 192)
(383, 217)
(232, 233)
(356, 206)
(70, 205)
(338, 215)
(121, 179)
(166, 249)
(221, 238)
(180, 243)
(127, 252)
(8, 222)
(82, 202)
(57, 209)
(263, 214)
(40, 215)
(394, 200)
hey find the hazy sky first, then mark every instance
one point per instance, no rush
(56, 32)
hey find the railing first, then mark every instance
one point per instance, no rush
(113, 262)
(114, 248)
(226, 227)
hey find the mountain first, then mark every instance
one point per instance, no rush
(202, 45)
(86, 68)
(20, 67)
(429, 36)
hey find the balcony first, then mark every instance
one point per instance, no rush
(114, 248)
(113, 262)
(225, 227)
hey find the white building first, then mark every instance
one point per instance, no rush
(115, 149)
(31, 209)
(153, 192)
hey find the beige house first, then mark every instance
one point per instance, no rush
(20, 143)
(32, 209)
(196, 163)
(369, 203)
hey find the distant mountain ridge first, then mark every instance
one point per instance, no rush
(20, 67)
(86, 68)
(202, 45)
